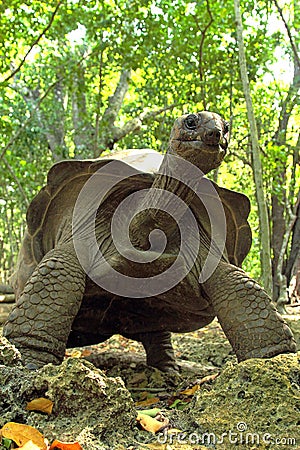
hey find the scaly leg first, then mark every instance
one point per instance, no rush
(159, 350)
(40, 323)
(250, 321)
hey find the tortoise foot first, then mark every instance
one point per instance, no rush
(34, 360)
(159, 350)
(166, 366)
(285, 344)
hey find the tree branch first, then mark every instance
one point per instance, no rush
(38, 104)
(200, 51)
(116, 100)
(35, 42)
(287, 106)
(296, 161)
(157, 112)
(295, 244)
(32, 112)
(99, 102)
(292, 219)
(13, 175)
(281, 276)
(294, 48)
(241, 158)
(110, 359)
(136, 123)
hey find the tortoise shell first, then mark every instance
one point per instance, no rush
(49, 220)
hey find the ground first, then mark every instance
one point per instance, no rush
(214, 402)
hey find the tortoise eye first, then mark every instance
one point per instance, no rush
(191, 122)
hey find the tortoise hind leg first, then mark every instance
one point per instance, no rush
(41, 320)
(159, 350)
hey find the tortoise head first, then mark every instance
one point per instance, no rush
(201, 139)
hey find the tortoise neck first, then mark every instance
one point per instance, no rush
(169, 179)
(169, 197)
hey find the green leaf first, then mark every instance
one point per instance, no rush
(150, 412)
(179, 404)
(5, 444)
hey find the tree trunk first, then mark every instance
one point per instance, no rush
(266, 267)
(295, 247)
(282, 203)
(83, 130)
(280, 276)
(107, 132)
(107, 125)
(53, 126)
(277, 236)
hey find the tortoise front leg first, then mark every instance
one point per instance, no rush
(250, 321)
(40, 323)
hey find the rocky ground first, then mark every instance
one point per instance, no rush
(214, 403)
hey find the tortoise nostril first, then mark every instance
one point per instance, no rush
(212, 136)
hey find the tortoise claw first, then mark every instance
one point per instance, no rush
(170, 367)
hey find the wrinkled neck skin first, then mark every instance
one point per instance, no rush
(169, 180)
(204, 157)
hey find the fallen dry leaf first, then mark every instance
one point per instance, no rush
(73, 354)
(191, 391)
(208, 378)
(150, 424)
(29, 446)
(174, 431)
(58, 445)
(20, 434)
(86, 352)
(148, 402)
(40, 404)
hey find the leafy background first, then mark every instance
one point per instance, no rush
(79, 79)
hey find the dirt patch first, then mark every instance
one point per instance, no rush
(213, 403)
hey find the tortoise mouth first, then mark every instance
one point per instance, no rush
(223, 144)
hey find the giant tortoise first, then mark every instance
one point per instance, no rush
(111, 249)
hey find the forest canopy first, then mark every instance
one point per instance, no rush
(79, 79)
